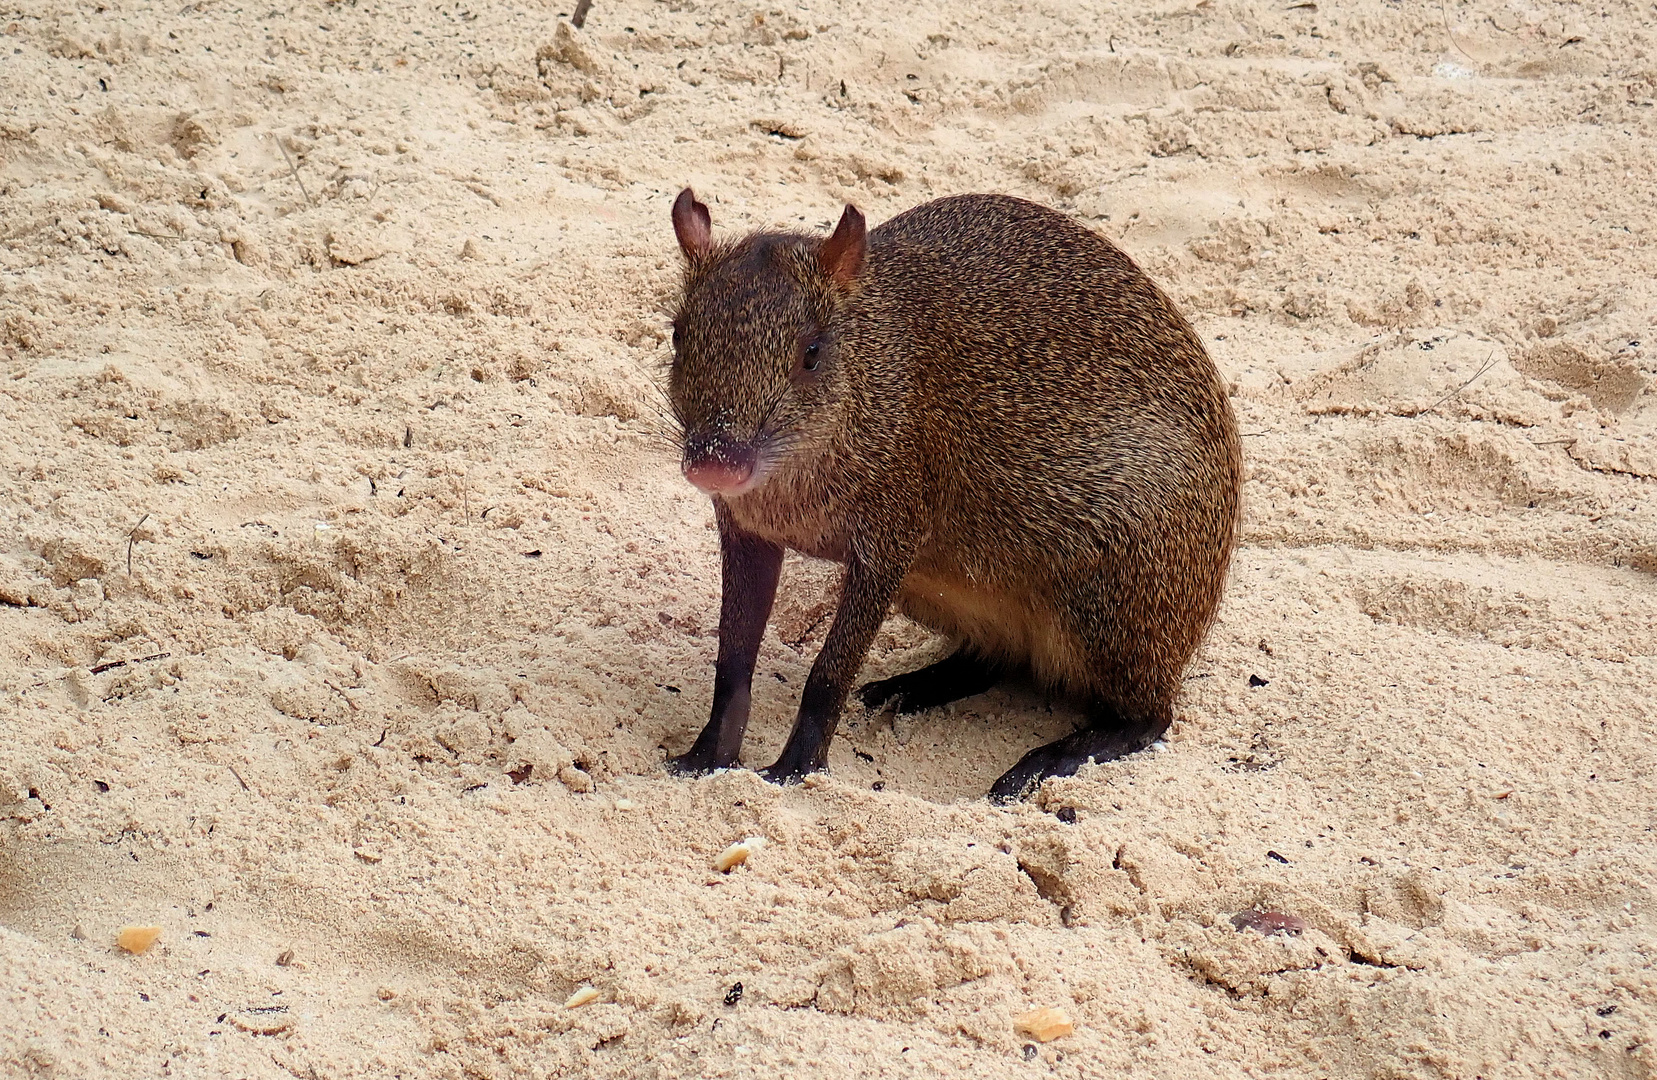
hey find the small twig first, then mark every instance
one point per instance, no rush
(113, 664)
(1490, 362)
(238, 777)
(354, 706)
(1444, 7)
(153, 235)
(580, 16)
(293, 169)
(131, 537)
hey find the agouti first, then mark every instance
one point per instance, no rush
(990, 416)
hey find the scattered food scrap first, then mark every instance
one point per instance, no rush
(737, 854)
(1045, 1024)
(584, 995)
(137, 939)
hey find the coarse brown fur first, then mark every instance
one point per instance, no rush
(1003, 426)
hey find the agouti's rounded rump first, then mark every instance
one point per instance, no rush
(992, 417)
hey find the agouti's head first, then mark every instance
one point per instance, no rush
(755, 379)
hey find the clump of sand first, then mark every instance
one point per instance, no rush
(349, 594)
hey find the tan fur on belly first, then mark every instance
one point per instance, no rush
(1000, 626)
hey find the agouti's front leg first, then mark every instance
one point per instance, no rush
(748, 588)
(865, 596)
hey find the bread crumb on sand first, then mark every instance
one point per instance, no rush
(585, 995)
(137, 939)
(737, 854)
(1044, 1024)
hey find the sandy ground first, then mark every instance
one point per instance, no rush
(349, 593)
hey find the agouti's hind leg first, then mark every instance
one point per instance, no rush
(958, 675)
(1110, 733)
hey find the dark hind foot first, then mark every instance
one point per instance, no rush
(1106, 737)
(958, 675)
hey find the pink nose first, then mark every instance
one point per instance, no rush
(716, 476)
(719, 464)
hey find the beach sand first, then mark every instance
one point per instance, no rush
(350, 596)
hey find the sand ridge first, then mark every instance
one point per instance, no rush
(349, 593)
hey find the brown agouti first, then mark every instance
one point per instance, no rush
(991, 416)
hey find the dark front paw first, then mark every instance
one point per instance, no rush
(692, 763)
(784, 773)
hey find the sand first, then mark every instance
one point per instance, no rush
(349, 593)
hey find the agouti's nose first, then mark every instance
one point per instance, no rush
(718, 465)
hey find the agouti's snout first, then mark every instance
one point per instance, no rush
(719, 464)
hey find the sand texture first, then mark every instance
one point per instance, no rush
(350, 595)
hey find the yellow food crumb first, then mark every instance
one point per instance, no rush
(137, 939)
(581, 997)
(1044, 1025)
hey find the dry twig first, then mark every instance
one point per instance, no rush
(132, 535)
(1489, 362)
(113, 664)
(295, 170)
(1444, 8)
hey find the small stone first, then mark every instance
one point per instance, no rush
(1044, 1025)
(137, 939)
(624, 804)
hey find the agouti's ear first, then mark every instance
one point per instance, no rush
(693, 226)
(842, 254)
